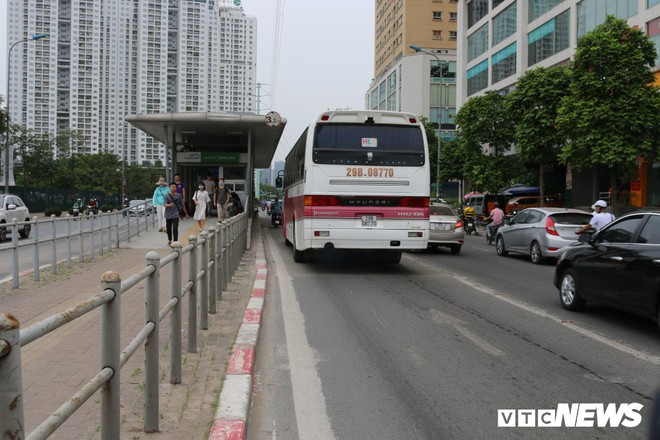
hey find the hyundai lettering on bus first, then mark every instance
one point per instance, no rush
(358, 180)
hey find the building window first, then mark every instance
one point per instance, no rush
(444, 71)
(453, 35)
(504, 63)
(437, 15)
(591, 13)
(477, 78)
(477, 9)
(496, 3)
(437, 35)
(453, 16)
(504, 24)
(477, 42)
(549, 38)
(540, 7)
(650, 4)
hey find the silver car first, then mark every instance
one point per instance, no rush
(446, 228)
(12, 208)
(540, 232)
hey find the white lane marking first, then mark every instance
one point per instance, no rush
(458, 325)
(542, 313)
(376, 316)
(308, 399)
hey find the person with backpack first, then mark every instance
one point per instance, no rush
(221, 199)
(173, 208)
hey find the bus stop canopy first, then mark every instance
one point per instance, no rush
(202, 131)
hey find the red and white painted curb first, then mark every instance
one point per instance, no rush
(234, 401)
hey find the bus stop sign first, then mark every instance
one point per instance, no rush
(273, 119)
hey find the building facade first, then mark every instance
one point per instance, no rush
(104, 60)
(500, 39)
(421, 82)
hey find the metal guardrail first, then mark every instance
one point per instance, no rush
(105, 230)
(221, 249)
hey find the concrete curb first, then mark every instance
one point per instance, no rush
(234, 402)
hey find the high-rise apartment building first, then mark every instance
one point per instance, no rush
(105, 59)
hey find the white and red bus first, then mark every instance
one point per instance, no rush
(358, 180)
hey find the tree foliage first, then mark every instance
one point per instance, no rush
(612, 112)
(533, 105)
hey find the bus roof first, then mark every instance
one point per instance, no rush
(360, 116)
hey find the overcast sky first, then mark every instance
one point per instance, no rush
(325, 58)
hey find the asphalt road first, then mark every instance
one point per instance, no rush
(432, 348)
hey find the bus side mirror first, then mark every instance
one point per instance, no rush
(278, 182)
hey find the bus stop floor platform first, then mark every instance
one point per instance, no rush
(60, 363)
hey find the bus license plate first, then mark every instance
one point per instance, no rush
(369, 220)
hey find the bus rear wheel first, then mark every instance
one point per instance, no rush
(298, 256)
(393, 257)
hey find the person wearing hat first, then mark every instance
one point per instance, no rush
(599, 219)
(159, 202)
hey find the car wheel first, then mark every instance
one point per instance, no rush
(455, 249)
(3, 233)
(568, 292)
(393, 257)
(25, 232)
(535, 253)
(499, 247)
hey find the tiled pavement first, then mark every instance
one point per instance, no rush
(57, 365)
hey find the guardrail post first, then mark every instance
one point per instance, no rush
(175, 326)
(218, 261)
(91, 237)
(117, 229)
(225, 254)
(68, 241)
(151, 299)
(35, 237)
(53, 248)
(110, 357)
(192, 296)
(80, 238)
(108, 215)
(128, 225)
(14, 252)
(232, 244)
(204, 282)
(213, 280)
(11, 379)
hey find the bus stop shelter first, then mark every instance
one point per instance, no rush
(227, 145)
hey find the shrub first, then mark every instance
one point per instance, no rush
(105, 208)
(53, 210)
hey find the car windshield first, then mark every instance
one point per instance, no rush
(571, 218)
(441, 210)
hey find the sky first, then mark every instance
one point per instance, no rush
(326, 58)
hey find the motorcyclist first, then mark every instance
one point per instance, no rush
(468, 217)
(78, 204)
(276, 207)
(497, 217)
(468, 212)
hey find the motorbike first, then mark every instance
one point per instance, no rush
(125, 206)
(276, 218)
(493, 234)
(470, 225)
(91, 209)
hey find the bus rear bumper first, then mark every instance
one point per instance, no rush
(360, 239)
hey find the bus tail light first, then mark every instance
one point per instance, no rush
(321, 201)
(415, 234)
(321, 233)
(414, 202)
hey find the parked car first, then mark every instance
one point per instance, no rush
(540, 232)
(12, 208)
(139, 207)
(446, 228)
(524, 202)
(619, 266)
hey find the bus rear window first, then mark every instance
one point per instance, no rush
(352, 143)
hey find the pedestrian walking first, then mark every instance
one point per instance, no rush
(173, 207)
(159, 202)
(201, 200)
(209, 186)
(181, 189)
(222, 199)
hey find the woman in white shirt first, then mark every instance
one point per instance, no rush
(201, 198)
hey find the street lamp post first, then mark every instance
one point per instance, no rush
(437, 164)
(32, 38)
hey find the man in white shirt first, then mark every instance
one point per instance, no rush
(599, 219)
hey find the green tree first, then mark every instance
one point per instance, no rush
(485, 134)
(612, 113)
(432, 139)
(533, 107)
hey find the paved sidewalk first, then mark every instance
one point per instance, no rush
(57, 365)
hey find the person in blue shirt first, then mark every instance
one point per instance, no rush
(159, 202)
